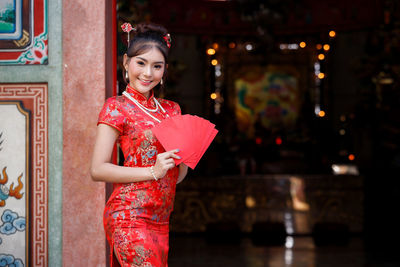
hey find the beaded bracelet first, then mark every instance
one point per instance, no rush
(152, 173)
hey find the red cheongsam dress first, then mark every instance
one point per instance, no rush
(136, 216)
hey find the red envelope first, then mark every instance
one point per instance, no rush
(191, 134)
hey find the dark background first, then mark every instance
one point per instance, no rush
(360, 92)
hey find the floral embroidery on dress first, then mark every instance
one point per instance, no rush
(136, 216)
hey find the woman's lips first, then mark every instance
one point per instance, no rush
(145, 82)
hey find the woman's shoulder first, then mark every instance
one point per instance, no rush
(170, 106)
(166, 102)
(113, 113)
(118, 99)
(115, 104)
(118, 102)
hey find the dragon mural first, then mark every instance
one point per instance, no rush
(6, 192)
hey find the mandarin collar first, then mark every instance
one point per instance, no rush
(141, 98)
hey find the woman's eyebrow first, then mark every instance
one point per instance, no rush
(145, 60)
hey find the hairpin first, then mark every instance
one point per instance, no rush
(167, 39)
(127, 27)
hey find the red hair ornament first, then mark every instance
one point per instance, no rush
(167, 39)
(127, 27)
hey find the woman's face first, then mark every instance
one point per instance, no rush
(145, 71)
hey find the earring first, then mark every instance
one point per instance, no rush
(161, 82)
(126, 75)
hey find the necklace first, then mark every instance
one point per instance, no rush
(147, 110)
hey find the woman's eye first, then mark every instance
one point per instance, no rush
(140, 63)
(157, 66)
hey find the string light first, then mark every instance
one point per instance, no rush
(332, 34)
(351, 157)
(232, 45)
(215, 46)
(321, 56)
(250, 202)
(218, 70)
(321, 75)
(214, 62)
(321, 113)
(289, 46)
(326, 47)
(319, 46)
(278, 141)
(211, 51)
(249, 47)
(213, 96)
(302, 44)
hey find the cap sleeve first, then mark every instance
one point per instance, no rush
(172, 107)
(177, 109)
(111, 114)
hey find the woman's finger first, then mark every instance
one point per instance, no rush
(171, 153)
(168, 154)
(169, 161)
(171, 165)
(175, 156)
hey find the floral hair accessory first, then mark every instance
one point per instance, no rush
(168, 40)
(127, 27)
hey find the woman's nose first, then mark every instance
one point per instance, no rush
(148, 71)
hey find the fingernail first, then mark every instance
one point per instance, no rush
(179, 157)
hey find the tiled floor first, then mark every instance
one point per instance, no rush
(195, 251)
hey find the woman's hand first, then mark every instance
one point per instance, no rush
(164, 162)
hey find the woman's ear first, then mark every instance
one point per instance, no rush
(125, 61)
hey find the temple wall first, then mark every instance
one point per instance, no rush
(83, 96)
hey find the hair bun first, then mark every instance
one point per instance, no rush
(143, 28)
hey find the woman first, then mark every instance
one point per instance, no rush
(136, 216)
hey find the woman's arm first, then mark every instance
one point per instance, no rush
(103, 170)
(183, 169)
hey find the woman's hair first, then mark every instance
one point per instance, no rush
(145, 37)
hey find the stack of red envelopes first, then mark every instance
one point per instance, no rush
(190, 134)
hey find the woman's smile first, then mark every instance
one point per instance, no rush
(145, 82)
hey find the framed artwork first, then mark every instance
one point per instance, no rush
(267, 97)
(23, 174)
(23, 32)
